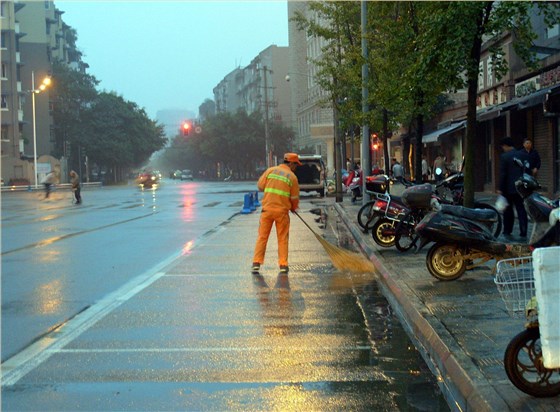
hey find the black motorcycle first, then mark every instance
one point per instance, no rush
(464, 239)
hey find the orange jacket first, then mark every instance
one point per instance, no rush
(281, 189)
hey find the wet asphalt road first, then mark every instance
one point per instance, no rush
(195, 330)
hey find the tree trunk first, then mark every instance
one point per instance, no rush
(418, 149)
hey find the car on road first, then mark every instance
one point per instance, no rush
(147, 180)
(186, 175)
(311, 174)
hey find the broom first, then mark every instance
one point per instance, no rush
(343, 259)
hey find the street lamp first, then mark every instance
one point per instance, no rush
(46, 82)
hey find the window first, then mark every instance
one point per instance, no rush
(553, 31)
(4, 71)
(4, 104)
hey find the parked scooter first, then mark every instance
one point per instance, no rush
(463, 239)
(523, 359)
(394, 218)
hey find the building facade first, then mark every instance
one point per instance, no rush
(312, 118)
(33, 36)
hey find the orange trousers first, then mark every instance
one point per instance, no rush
(282, 221)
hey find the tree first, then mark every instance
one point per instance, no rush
(459, 30)
(119, 135)
(71, 93)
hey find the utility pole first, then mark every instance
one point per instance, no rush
(266, 131)
(366, 161)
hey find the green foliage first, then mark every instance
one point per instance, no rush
(114, 132)
(120, 133)
(229, 143)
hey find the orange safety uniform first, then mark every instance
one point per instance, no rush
(281, 194)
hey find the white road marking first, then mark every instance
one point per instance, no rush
(35, 354)
(217, 349)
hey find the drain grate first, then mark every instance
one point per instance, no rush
(489, 362)
(443, 309)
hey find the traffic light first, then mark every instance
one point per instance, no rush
(374, 141)
(186, 128)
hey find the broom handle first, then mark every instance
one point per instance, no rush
(304, 222)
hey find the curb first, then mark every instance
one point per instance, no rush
(463, 389)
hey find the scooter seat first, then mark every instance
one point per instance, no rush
(480, 215)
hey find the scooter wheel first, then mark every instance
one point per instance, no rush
(524, 366)
(367, 216)
(445, 261)
(377, 232)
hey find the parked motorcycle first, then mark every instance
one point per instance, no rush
(394, 218)
(523, 359)
(463, 238)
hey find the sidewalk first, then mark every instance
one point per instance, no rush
(461, 327)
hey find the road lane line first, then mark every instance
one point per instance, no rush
(19, 365)
(218, 349)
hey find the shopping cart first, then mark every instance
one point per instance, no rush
(516, 284)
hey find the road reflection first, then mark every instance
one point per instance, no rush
(280, 315)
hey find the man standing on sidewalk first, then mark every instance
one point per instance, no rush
(534, 157)
(509, 173)
(281, 195)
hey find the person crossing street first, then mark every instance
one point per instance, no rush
(75, 181)
(281, 195)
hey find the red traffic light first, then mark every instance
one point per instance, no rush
(186, 128)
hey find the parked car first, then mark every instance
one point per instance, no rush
(186, 175)
(311, 174)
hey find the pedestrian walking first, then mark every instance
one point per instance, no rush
(509, 173)
(281, 195)
(48, 181)
(425, 169)
(397, 169)
(75, 181)
(534, 157)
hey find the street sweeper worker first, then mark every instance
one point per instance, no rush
(281, 195)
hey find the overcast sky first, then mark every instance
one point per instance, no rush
(171, 54)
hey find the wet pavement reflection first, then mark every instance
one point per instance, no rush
(202, 333)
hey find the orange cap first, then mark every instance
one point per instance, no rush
(292, 158)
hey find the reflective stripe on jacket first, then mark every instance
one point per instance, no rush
(280, 187)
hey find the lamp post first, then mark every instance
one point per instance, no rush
(43, 86)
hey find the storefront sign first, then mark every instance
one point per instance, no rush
(551, 77)
(527, 87)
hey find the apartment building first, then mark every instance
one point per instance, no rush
(260, 86)
(33, 36)
(312, 120)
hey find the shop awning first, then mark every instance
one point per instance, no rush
(518, 103)
(434, 136)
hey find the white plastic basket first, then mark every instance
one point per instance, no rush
(516, 284)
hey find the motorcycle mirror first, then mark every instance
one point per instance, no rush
(554, 216)
(439, 171)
